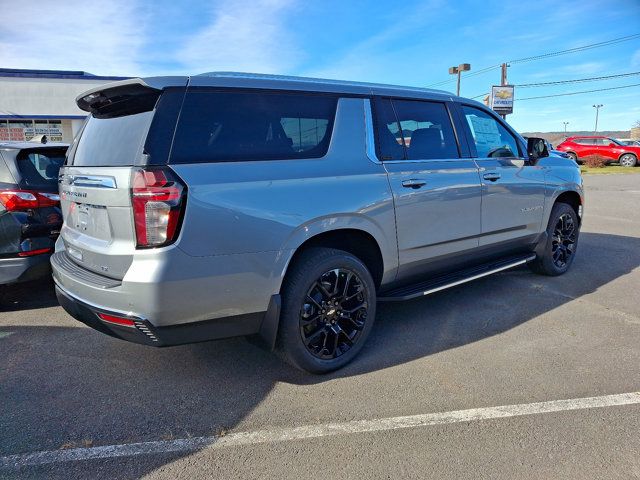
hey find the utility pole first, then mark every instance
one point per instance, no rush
(503, 76)
(565, 129)
(503, 81)
(597, 107)
(463, 67)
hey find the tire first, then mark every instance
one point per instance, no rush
(316, 333)
(556, 255)
(574, 157)
(628, 160)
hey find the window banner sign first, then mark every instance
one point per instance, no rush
(22, 133)
(501, 100)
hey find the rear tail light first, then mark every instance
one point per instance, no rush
(20, 200)
(158, 198)
(31, 253)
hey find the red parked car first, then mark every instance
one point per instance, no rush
(580, 147)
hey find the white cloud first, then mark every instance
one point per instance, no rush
(74, 34)
(244, 36)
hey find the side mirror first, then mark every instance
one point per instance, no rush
(612, 145)
(537, 148)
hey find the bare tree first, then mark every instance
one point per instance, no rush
(636, 124)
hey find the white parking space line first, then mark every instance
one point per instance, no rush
(316, 431)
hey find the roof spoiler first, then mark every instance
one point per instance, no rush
(126, 97)
(118, 98)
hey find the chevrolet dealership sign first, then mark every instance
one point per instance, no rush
(501, 100)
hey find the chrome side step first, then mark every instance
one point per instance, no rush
(451, 280)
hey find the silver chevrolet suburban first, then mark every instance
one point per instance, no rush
(225, 204)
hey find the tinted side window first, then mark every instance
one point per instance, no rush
(426, 129)
(389, 142)
(490, 137)
(584, 141)
(227, 126)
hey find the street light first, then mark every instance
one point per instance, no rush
(565, 128)
(463, 67)
(597, 107)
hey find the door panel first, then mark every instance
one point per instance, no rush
(436, 193)
(586, 146)
(439, 218)
(512, 203)
(603, 148)
(513, 190)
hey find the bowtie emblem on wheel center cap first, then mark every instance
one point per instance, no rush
(331, 312)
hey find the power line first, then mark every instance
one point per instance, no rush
(564, 94)
(577, 93)
(613, 41)
(577, 49)
(579, 80)
(478, 72)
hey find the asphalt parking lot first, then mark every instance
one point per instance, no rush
(103, 408)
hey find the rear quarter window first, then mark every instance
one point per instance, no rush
(228, 126)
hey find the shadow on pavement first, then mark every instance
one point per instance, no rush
(73, 384)
(27, 295)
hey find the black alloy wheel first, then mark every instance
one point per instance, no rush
(333, 313)
(563, 241)
(557, 250)
(328, 310)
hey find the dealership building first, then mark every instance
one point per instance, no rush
(42, 102)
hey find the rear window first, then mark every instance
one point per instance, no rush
(223, 126)
(39, 168)
(112, 141)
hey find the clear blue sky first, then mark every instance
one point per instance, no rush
(409, 43)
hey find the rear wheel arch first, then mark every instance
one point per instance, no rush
(357, 242)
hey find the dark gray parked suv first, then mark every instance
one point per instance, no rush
(204, 207)
(30, 217)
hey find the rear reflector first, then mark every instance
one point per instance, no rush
(158, 204)
(125, 322)
(30, 253)
(19, 200)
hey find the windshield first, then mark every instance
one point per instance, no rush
(39, 167)
(613, 140)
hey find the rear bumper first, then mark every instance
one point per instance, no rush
(23, 269)
(168, 287)
(145, 333)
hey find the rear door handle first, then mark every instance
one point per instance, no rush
(491, 176)
(414, 183)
